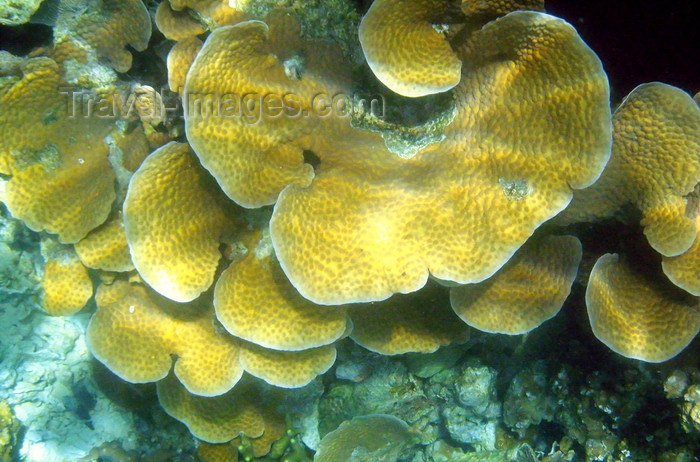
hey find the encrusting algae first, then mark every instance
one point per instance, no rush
(294, 271)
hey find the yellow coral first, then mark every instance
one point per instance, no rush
(174, 219)
(526, 292)
(66, 283)
(370, 223)
(240, 418)
(373, 224)
(275, 429)
(237, 121)
(180, 59)
(288, 369)
(636, 317)
(684, 269)
(105, 247)
(421, 322)
(177, 25)
(61, 178)
(128, 148)
(405, 48)
(217, 452)
(530, 122)
(254, 301)
(105, 28)
(405, 51)
(217, 419)
(136, 333)
(135, 336)
(493, 8)
(654, 165)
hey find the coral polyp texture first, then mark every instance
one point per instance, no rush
(215, 420)
(105, 247)
(177, 25)
(254, 301)
(136, 333)
(231, 239)
(105, 28)
(174, 219)
(287, 369)
(135, 336)
(372, 224)
(492, 9)
(66, 283)
(405, 51)
(655, 165)
(683, 269)
(61, 180)
(180, 58)
(240, 76)
(413, 323)
(636, 317)
(528, 290)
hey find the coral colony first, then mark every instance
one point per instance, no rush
(303, 239)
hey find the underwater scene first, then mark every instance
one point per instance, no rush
(349, 231)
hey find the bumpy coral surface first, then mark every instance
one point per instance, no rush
(251, 160)
(66, 283)
(635, 316)
(135, 338)
(255, 302)
(105, 247)
(174, 219)
(419, 322)
(104, 28)
(404, 50)
(230, 307)
(527, 291)
(682, 269)
(180, 59)
(654, 165)
(216, 420)
(177, 25)
(372, 224)
(492, 9)
(212, 452)
(61, 179)
(136, 334)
